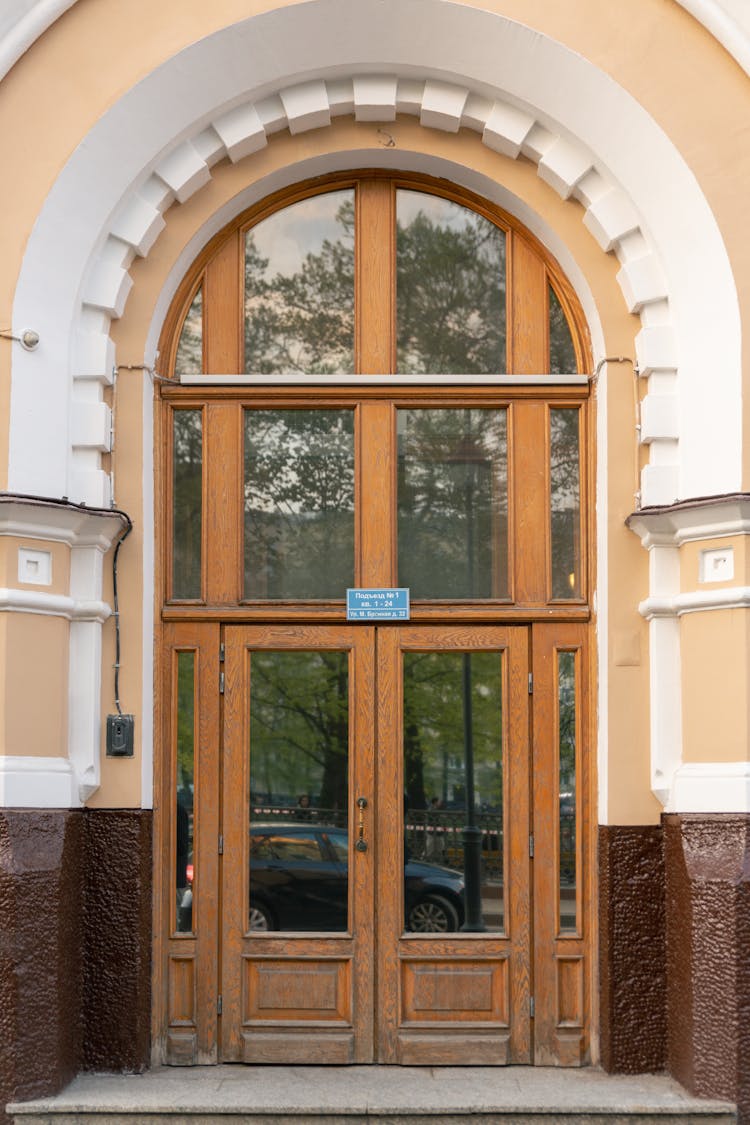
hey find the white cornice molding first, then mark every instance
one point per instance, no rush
(711, 787)
(52, 605)
(696, 601)
(713, 517)
(37, 783)
(58, 522)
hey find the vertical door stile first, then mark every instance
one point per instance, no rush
(188, 990)
(517, 828)
(390, 841)
(363, 865)
(562, 942)
(234, 864)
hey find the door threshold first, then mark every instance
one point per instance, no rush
(326, 1095)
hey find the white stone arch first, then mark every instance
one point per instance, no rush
(523, 92)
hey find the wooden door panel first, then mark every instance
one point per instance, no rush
(463, 997)
(289, 997)
(457, 991)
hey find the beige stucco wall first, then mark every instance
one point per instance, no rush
(715, 685)
(75, 67)
(33, 685)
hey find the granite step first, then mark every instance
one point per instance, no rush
(298, 1095)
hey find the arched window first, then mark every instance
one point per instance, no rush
(382, 377)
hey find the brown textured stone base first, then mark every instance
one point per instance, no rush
(708, 954)
(75, 922)
(632, 957)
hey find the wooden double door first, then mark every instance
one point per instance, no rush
(379, 844)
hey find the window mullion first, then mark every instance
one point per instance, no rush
(375, 291)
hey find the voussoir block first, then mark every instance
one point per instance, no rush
(241, 130)
(506, 129)
(442, 106)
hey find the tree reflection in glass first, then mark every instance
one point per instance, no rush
(567, 738)
(450, 288)
(299, 503)
(565, 502)
(299, 289)
(435, 765)
(299, 769)
(187, 502)
(189, 358)
(453, 503)
(562, 352)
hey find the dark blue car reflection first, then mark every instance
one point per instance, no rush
(299, 881)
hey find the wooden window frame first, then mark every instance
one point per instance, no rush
(524, 392)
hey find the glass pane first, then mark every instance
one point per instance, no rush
(566, 691)
(187, 503)
(450, 288)
(185, 789)
(453, 503)
(299, 768)
(299, 289)
(189, 360)
(562, 354)
(299, 503)
(565, 503)
(453, 799)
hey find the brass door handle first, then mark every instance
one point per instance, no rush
(361, 844)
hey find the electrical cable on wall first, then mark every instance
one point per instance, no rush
(116, 609)
(594, 379)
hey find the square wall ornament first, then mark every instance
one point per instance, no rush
(717, 565)
(34, 567)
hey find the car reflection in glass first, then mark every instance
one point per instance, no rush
(299, 881)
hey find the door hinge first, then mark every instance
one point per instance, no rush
(221, 845)
(218, 1005)
(222, 652)
(531, 683)
(221, 683)
(531, 847)
(531, 1007)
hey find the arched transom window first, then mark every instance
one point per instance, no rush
(377, 380)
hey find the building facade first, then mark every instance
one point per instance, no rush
(301, 298)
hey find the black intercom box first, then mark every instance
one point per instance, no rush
(120, 736)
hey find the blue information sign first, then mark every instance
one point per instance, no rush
(388, 604)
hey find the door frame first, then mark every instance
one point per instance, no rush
(536, 959)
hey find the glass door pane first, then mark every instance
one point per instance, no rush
(453, 799)
(299, 770)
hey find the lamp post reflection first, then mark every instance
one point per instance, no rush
(472, 835)
(471, 456)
